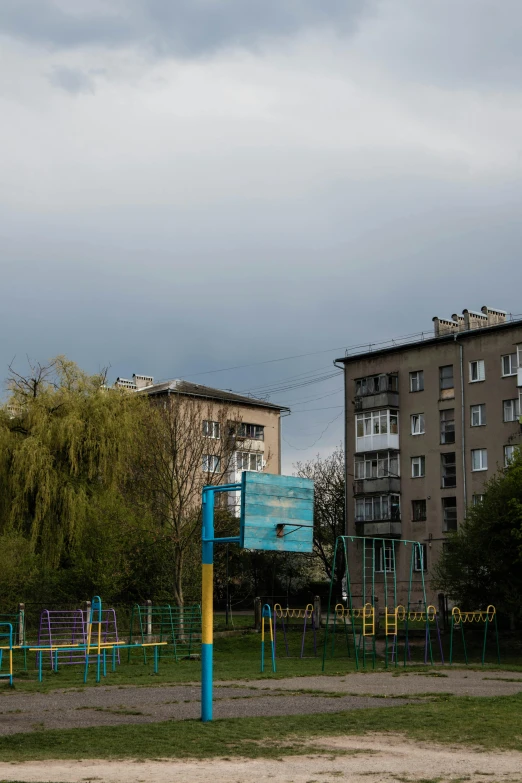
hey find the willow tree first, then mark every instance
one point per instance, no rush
(66, 441)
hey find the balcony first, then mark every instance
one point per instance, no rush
(377, 391)
(377, 442)
(519, 377)
(379, 529)
(382, 485)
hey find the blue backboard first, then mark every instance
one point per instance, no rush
(277, 512)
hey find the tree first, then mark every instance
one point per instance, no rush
(328, 475)
(190, 443)
(65, 441)
(482, 561)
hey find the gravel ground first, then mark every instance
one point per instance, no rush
(112, 706)
(400, 682)
(369, 759)
(117, 705)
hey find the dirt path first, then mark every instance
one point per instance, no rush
(401, 682)
(110, 706)
(370, 759)
(117, 705)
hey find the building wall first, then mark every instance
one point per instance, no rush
(488, 346)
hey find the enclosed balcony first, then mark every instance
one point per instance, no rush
(378, 515)
(376, 430)
(376, 472)
(377, 391)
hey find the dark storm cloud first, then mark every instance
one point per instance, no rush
(171, 27)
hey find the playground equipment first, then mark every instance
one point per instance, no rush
(64, 633)
(286, 615)
(374, 561)
(276, 515)
(17, 620)
(430, 620)
(6, 643)
(458, 621)
(93, 648)
(179, 626)
(267, 613)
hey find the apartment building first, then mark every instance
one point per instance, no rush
(428, 422)
(253, 425)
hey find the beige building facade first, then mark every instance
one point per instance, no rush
(427, 424)
(253, 426)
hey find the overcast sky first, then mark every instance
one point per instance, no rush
(190, 185)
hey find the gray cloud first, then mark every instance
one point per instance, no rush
(172, 27)
(72, 80)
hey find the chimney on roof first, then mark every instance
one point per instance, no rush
(444, 326)
(142, 381)
(494, 316)
(470, 319)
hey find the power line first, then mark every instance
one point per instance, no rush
(304, 448)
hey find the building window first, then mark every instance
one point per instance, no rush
(417, 381)
(418, 508)
(449, 469)
(511, 410)
(509, 364)
(377, 423)
(449, 514)
(477, 371)
(377, 508)
(478, 415)
(211, 463)
(476, 499)
(479, 459)
(447, 426)
(384, 556)
(447, 384)
(248, 460)
(418, 465)
(375, 384)
(251, 431)
(417, 424)
(376, 464)
(509, 453)
(420, 558)
(211, 429)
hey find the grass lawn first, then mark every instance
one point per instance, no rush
(236, 658)
(492, 723)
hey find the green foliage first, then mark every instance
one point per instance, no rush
(482, 563)
(69, 441)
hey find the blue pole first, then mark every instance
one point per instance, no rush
(207, 608)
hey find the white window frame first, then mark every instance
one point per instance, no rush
(445, 519)
(479, 457)
(375, 464)
(210, 463)
(514, 364)
(481, 409)
(513, 407)
(417, 376)
(480, 367)
(420, 558)
(477, 499)
(417, 419)
(384, 557)
(418, 463)
(509, 453)
(378, 422)
(246, 456)
(211, 429)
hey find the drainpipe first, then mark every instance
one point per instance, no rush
(463, 422)
(343, 368)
